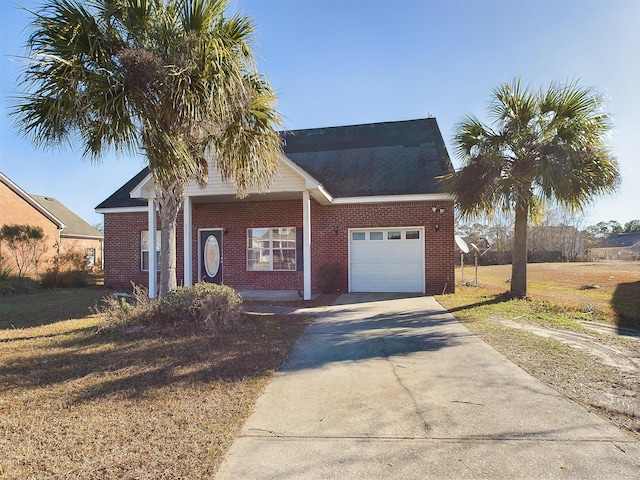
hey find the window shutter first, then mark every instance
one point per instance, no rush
(299, 250)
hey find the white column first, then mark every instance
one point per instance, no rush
(188, 244)
(306, 239)
(153, 264)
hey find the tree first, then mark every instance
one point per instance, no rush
(174, 79)
(632, 226)
(26, 245)
(542, 146)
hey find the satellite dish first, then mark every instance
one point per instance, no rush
(462, 245)
(475, 247)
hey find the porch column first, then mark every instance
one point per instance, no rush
(153, 264)
(188, 244)
(306, 245)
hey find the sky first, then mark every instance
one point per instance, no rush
(346, 62)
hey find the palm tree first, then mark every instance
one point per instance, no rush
(174, 79)
(542, 146)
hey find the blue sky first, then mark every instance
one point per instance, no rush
(342, 62)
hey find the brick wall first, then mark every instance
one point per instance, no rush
(122, 240)
(15, 210)
(329, 247)
(81, 245)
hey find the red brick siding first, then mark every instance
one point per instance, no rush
(328, 247)
(122, 240)
(236, 218)
(15, 210)
(81, 245)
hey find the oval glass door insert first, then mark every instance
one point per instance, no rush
(212, 256)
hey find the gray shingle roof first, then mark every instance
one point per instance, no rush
(389, 158)
(620, 240)
(74, 225)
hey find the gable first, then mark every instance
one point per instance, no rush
(17, 206)
(379, 160)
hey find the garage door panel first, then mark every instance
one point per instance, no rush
(387, 265)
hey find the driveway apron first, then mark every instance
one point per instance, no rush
(392, 387)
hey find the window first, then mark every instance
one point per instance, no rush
(394, 235)
(271, 249)
(144, 250)
(90, 257)
(357, 235)
(412, 235)
(376, 236)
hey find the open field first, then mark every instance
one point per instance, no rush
(143, 405)
(616, 299)
(567, 334)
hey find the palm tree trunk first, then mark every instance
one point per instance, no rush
(519, 262)
(169, 202)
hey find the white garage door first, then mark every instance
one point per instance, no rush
(386, 260)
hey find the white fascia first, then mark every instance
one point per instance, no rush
(123, 210)
(144, 189)
(310, 182)
(424, 197)
(32, 201)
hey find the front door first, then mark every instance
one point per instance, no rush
(210, 255)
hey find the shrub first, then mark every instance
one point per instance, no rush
(14, 285)
(54, 278)
(205, 306)
(72, 260)
(330, 277)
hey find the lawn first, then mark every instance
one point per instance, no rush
(146, 405)
(160, 405)
(609, 291)
(555, 333)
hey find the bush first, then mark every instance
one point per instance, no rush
(205, 306)
(53, 278)
(330, 278)
(72, 260)
(13, 285)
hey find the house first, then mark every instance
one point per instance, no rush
(65, 231)
(364, 197)
(617, 246)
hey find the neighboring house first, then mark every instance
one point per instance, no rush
(364, 196)
(618, 246)
(66, 232)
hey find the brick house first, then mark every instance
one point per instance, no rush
(65, 231)
(364, 197)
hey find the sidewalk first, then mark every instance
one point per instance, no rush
(396, 388)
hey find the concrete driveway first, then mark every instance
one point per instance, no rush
(385, 387)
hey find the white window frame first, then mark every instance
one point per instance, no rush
(90, 257)
(269, 247)
(143, 250)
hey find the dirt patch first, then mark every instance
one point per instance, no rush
(616, 392)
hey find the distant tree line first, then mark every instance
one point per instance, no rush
(555, 236)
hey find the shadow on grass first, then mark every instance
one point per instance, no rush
(48, 306)
(499, 298)
(85, 366)
(626, 303)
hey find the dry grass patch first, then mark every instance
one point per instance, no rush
(145, 405)
(550, 341)
(616, 299)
